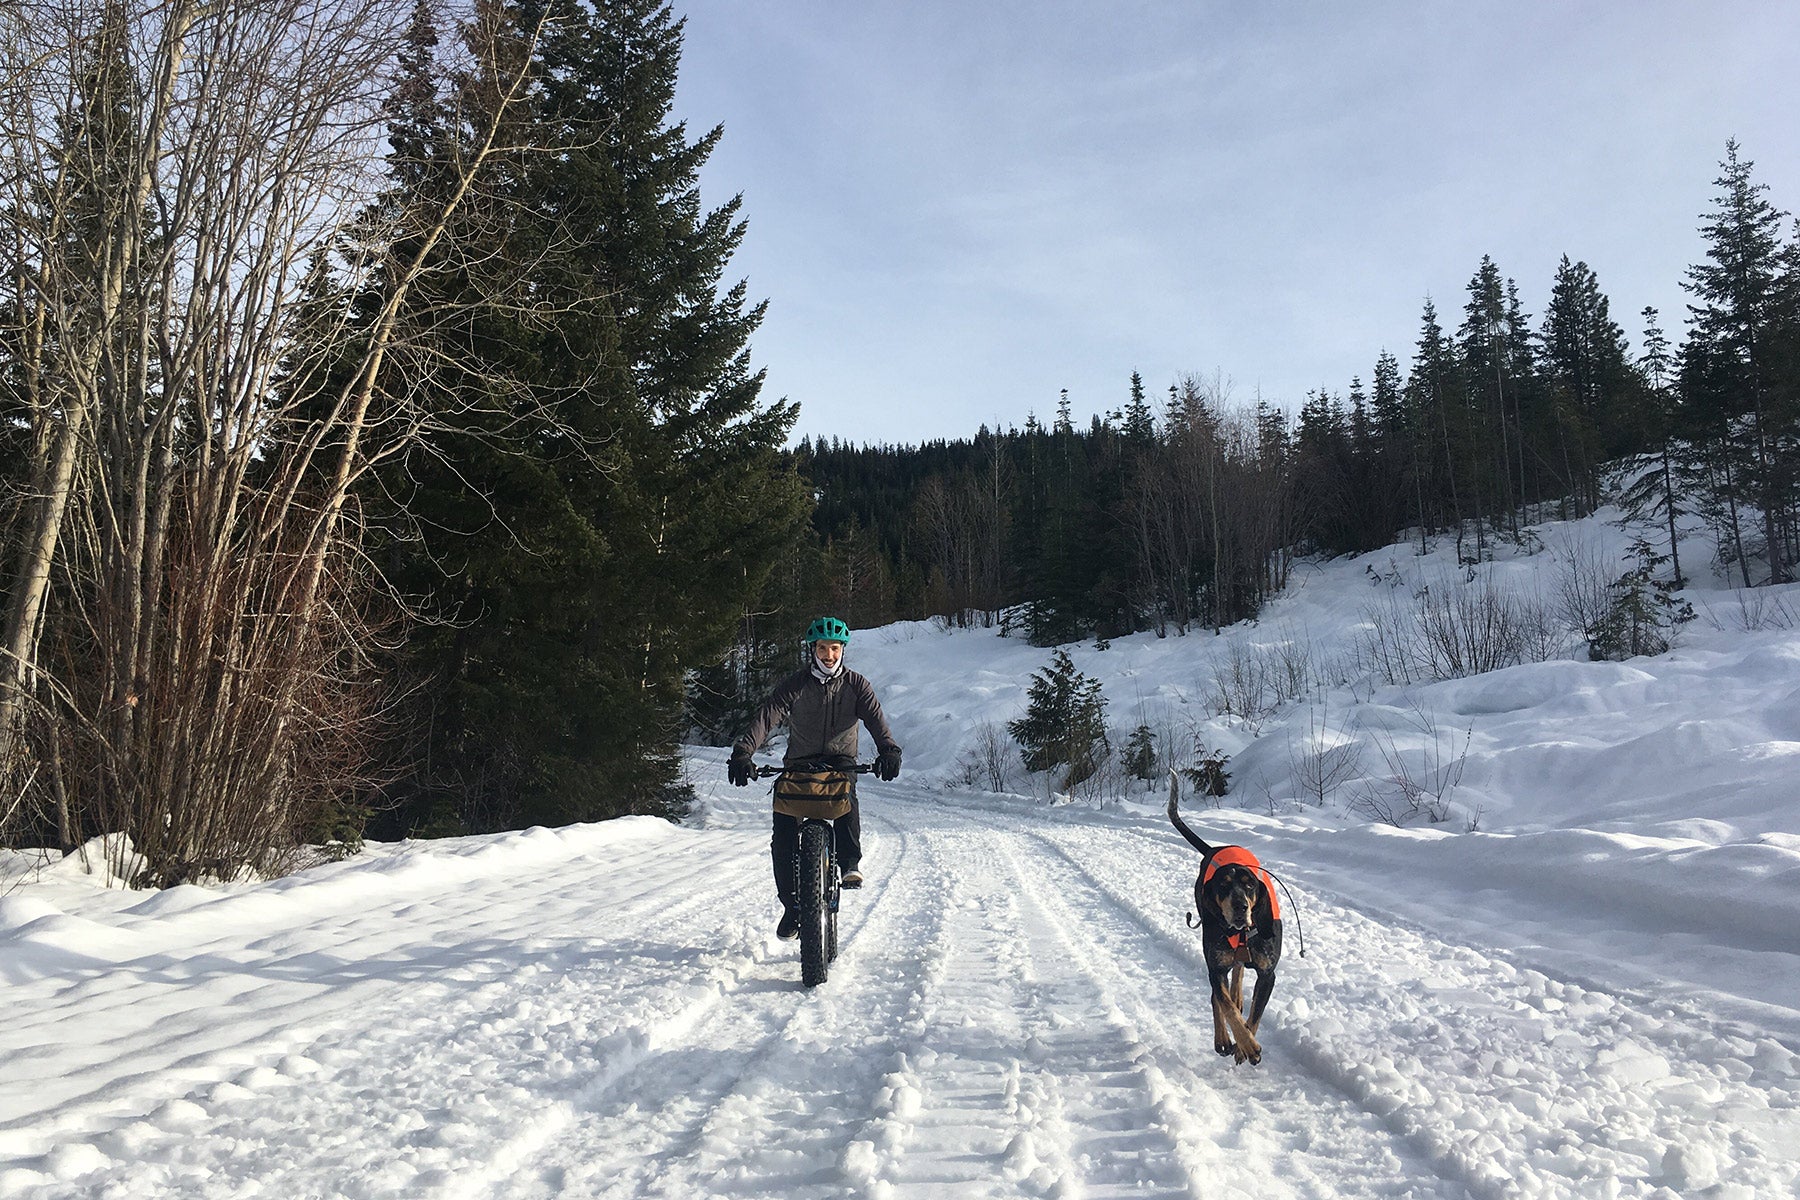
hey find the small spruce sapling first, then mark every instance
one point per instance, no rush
(1064, 722)
(1208, 774)
(1141, 756)
(1642, 612)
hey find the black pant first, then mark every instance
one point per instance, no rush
(784, 845)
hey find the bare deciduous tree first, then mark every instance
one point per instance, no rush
(957, 523)
(190, 200)
(1584, 577)
(1210, 513)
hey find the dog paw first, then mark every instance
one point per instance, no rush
(1226, 1050)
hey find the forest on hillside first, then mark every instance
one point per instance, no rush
(382, 448)
(1184, 511)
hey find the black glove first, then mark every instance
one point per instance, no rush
(738, 769)
(887, 764)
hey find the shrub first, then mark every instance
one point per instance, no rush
(1420, 782)
(1454, 628)
(984, 763)
(1319, 764)
(1470, 628)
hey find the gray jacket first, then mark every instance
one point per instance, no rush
(821, 717)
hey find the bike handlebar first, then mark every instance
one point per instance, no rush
(764, 772)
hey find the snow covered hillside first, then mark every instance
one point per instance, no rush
(1572, 968)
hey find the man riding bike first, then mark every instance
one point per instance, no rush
(821, 703)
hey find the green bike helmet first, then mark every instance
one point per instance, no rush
(827, 629)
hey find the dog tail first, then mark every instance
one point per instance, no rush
(1174, 816)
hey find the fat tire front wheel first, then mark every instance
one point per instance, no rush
(817, 921)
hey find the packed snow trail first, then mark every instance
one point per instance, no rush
(1516, 1082)
(1017, 1010)
(971, 1042)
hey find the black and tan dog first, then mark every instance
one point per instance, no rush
(1240, 924)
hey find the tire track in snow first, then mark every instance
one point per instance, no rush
(1249, 1132)
(1396, 1030)
(1021, 1083)
(760, 1097)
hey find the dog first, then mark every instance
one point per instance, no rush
(1240, 924)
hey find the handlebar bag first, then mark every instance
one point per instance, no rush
(821, 794)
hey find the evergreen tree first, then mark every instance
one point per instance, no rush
(1586, 369)
(1429, 387)
(1064, 723)
(1748, 317)
(1642, 611)
(1399, 446)
(1390, 411)
(1175, 411)
(1362, 430)
(1140, 427)
(1323, 473)
(602, 530)
(1708, 379)
(1485, 440)
(1654, 490)
(1141, 759)
(1524, 399)
(1062, 574)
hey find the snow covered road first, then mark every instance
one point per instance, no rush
(1018, 1010)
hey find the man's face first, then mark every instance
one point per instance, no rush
(828, 654)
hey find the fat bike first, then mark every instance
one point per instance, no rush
(815, 797)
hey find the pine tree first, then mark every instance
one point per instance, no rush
(1587, 371)
(1362, 429)
(1429, 390)
(1062, 574)
(1175, 410)
(1642, 611)
(603, 530)
(1400, 450)
(1064, 723)
(1322, 473)
(1141, 759)
(1390, 412)
(1140, 428)
(1525, 397)
(1748, 317)
(1708, 379)
(1654, 491)
(1486, 441)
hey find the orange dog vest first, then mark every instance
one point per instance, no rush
(1238, 856)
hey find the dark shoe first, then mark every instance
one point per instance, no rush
(852, 878)
(789, 928)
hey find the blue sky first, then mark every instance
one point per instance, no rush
(957, 209)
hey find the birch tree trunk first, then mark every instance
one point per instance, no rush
(44, 97)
